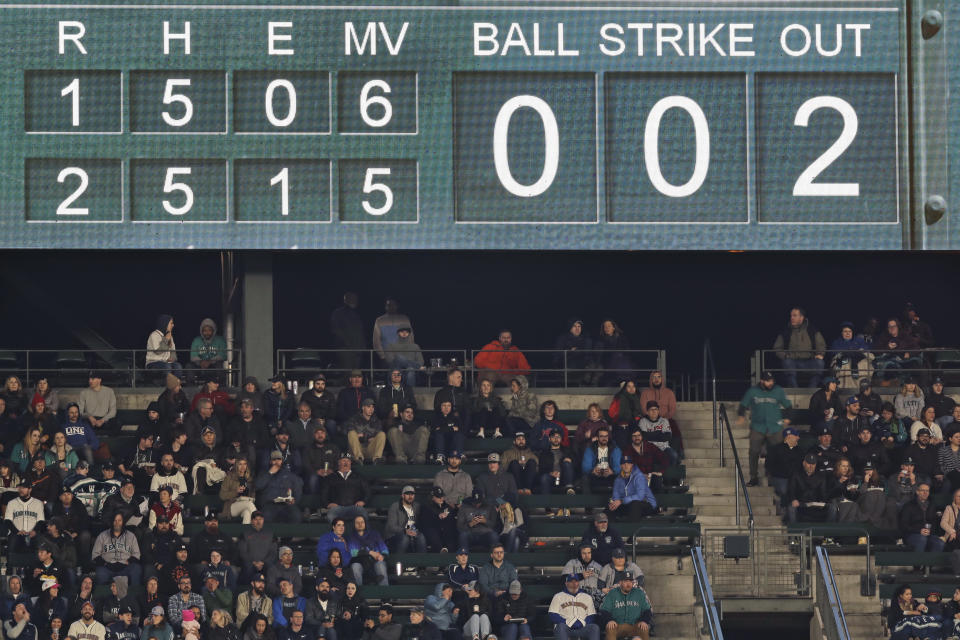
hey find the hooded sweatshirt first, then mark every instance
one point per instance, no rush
(662, 395)
(524, 404)
(159, 348)
(438, 609)
(404, 348)
(212, 350)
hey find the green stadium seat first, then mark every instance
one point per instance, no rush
(912, 559)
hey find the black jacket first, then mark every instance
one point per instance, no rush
(783, 462)
(859, 454)
(389, 396)
(809, 488)
(913, 516)
(927, 460)
(345, 491)
(322, 406)
(519, 608)
(458, 397)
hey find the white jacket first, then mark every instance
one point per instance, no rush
(159, 349)
(80, 631)
(572, 608)
(24, 516)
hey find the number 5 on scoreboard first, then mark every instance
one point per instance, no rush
(369, 186)
(385, 192)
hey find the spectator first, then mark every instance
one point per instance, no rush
(98, 405)
(279, 491)
(767, 403)
(258, 629)
(25, 452)
(117, 553)
(455, 482)
(395, 395)
(870, 403)
(351, 613)
(351, 398)
(346, 325)
(500, 361)
(165, 508)
(950, 521)
(439, 609)
(877, 508)
(657, 431)
(825, 405)
(615, 360)
(212, 539)
(454, 393)
(927, 421)
(320, 461)
(920, 331)
(589, 571)
(575, 358)
(556, 467)
(86, 627)
(405, 355)
(9, 428)
(368, 552)
(278, 405)
(222, 627)
(917, 520)
(487, 412)
(586, 432)
(439, 522)
(539, 435)
(254, 602)
(902, 487)
(942, 403)
(632, 498)
(894, 434)
(257, 546)
(384, 628)
(323, 404)
(283, 569)
(524, 409)
(289, 456)
(301, 427)
(123, 627)
(603, 538)
(909, 402)
(850, 357)
(200, 419)
(898, 350)
(447, 433)
(157, 626)
(496, 484)
(613, 571)
(80, 435)
(419, 627)
(660, 393)
(408, 438)
(800, 348)
(401, 528)
(297, 629)
(572, 611)
(25, 517)
(460, 573)
(345, 492)
(848, 424)
(161, 349)
(386, 329)
(172, 402)
(169, 475)
(475, 611)
(210, 389)
(140, 463)
(513, 614)
(783, 461)
(647, 459)
(476, 522)
(601, 462)
(808, 493)
(497, 574)
(49, 603)
(867, 449)
(208, 350)
(625, 411)
(184, 600)
(629, 611)
(287, 603)
(15, 398)
(238, 492)
(251, 391)
(13, 594)
(320, 611)
(949, 461)
(38, 416)
(827, 454)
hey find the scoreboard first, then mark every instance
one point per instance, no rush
(676, 126)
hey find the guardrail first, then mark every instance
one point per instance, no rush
(119, 367)
(704, 594)
(881, 365)
(302, 363)
(827, 599)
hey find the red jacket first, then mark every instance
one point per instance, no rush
(663, 396)
(648, 459)
(220, 399)
(509, 361)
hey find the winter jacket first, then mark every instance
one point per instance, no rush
(509, 361)
(496, 578)
(663, 396)
(809, 488)
(800, 343)
(397, 518)
(278, 407)
(767, 408)
(498, 485)
(656, 433)
(371, 540)
(404, 349)
(395, 396)
(783, 462)
(345, 491)
(591, 458)
(349, 401)
(625, 408)
(456, 485)
(628, 608)
(438, 609)
(633, 489)
(467, 512)
(820, 404)
(257, 546)
(270, 486)
(603, 543)
(524, 404)
(505, 605)
(470, 607)
(914, 515)
(853, 349)
(513, 455)
(458, 399)
(323, 406)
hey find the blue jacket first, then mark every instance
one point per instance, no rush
(370, 540)
(459, 576)
(279, 620)
(438, 610)
(636, 488)
(590, 458)
(329, 542)
(80, 434)
(271, 486)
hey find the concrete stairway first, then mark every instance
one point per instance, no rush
(670, 590)
(862, 613)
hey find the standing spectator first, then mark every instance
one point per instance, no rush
(920, 331)
(368, 552)
(161, 349)
(800, 348)
(522, 463)
(117, 553)
(365, 434)
(475, 611)
(80, 435)
(497, 574)
(405, 355)
(386, 330)
(574, 357)
(513, 613)
(767, 403)
(408, 438)
(603, 538)
(601, 462)
(500, 361)
(184, 600)
(487, 412)
(616, 363)
(25, 518)
(279, 491)
(86, 627)
(632, 498)
(572, 611)
(454, 393)
(401, 527)
(208, 350)
(98, 405)
(917, 520)
(629, 611)
(524, 408)
(346, 325)
(323, 404)
(351, 398)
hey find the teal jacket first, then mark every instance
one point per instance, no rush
(766, 408)
(629, 608)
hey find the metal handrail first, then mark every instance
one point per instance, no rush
(838, 622)
(701, 581)
(859, 528)
(760, 356)
(740, 486)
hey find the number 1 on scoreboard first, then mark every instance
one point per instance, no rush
(281, 191)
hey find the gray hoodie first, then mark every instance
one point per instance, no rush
(397, 518)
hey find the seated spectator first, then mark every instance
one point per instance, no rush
(150, 424)
(13, 594)
(384, 628)
(877, 508)
(808, 493)
(446, 433)
(625, 408)
(156, 626)
(210, 390)
(632, 498)
(257, 547)
(25, 519)
(419, 626)
(850, 357)
(601, 462)
(222, 627)
(365, 434)
(783, 461)
(514, 613)
(925, 456)
(86, 627)
(297, 629)
(117, 553)
(208, 350)
(612, 572)
(165, 508)
(351, 398)
(522, 463)
(401, 529)
(941, 402)
(539, 434)
(825, 406)
(169, 475)
(556, 466)
(323, 404)
(647, 459)
(287, 603)
(628, 610)
(206, 474)
(172, 402)
(159, 548)
(44, 569)
(255, 602)
(902, 487)
(238, 492)
(26, 451)
(476, 522)
(45, 483)
(586, 432)
(301, 427)
(184, 600)
(351, 613)
(825, 452)
(80, 435)
(161, 349)
(127, 503)
(454, 393)
(212, 539)
(919, 330)
(487, 412)
(203, 417)
(575, 358)
(368, 553)
(405, 356)
(320, 610)
(395, 395)
(800, 348)
(283, 569)
(251, 391)
(917, 521)
(248, 428)
(140, 462)
(894, 435)
(345, 493)
(589, 571)
(603, 537)
(439, 523)
(475, 612)
(949, 462)
(870, 403)
(523, 411)
(849, 424)
(320, 460)
(455, 482)
(15, 398)
(663, 395)
(896, 350)
(259, 629)
(500, 361)
(408, 438)
(496, 484)
(657, 431)
(113, 606)
(439, 608)
(38, 416)
(461, 573)
(615, 361)
(279, 405)
(927, 421)
(868, 450)
(279, 490)
(496, 574)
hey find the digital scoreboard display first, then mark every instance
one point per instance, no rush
(454, 127)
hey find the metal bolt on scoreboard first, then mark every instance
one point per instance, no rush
(773, 125)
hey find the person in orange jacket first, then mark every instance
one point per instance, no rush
(501, 360)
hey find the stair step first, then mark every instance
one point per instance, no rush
(727, 510)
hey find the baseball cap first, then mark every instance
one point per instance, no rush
(865, 383)
(853, 400)
(515, 587)
(356, 373)
(409, 489)
(258, 577)
(368, 403)
(601, 517)
(923, 431)
(810, 458)
(207, 429)
(937, 380)
(437, 492)
(908, 460)
(156, 611)
(653, 403)
(276, 455)
(210, 516)
(463, 551)
(790, 431)
(618, 553)
(869, 465)
(766, 375)
(319, 376)
(181, 547)
(125, 609)
(493, 457)
(572, 576)
(455, 454)
(627, 575)
(49, 583)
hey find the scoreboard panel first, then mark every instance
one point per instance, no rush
(476, 127)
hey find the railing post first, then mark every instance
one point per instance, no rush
(27, 376)
(736, 493)
(565, 383)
